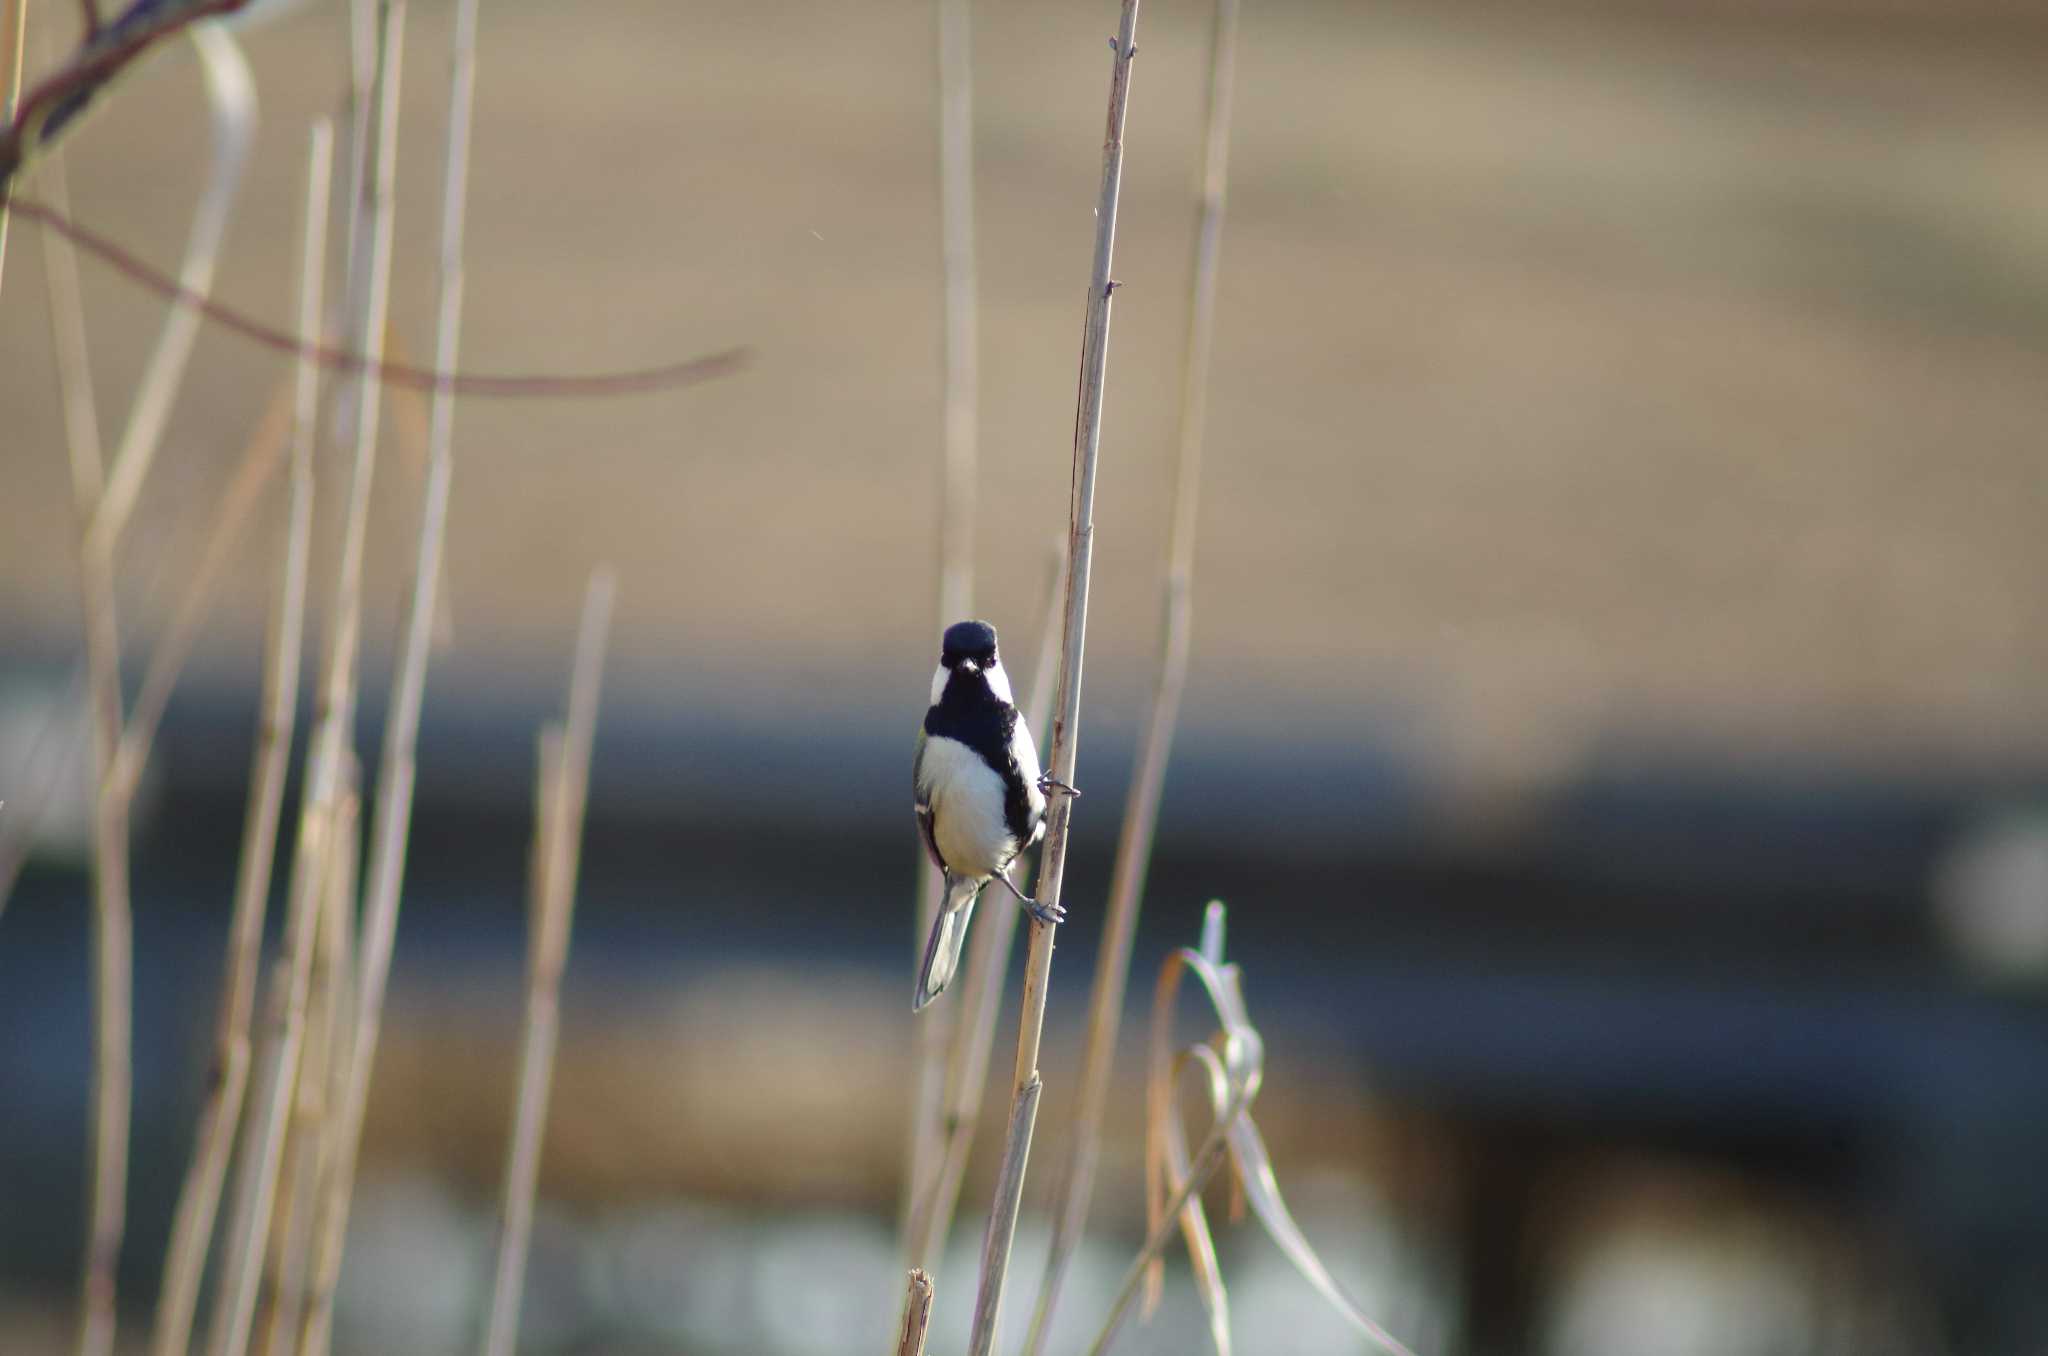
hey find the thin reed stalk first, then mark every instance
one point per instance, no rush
(934, 1032)
(113, 960)
(562, 792)
(917, 1314)
(371, 228)
(1002, 1224)
(981, 993)
(199, 1199)
(1155, 743)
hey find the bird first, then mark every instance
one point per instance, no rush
(979, 793)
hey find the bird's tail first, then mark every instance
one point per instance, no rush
(949, 935)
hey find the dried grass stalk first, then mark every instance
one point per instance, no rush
(562, 792)
(1155, 743)
(917, 1314)
(371, 228)
(112, 925)
(185, 1260)
(935, 1031)
(1001, 1234)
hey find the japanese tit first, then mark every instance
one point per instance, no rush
(980, 797)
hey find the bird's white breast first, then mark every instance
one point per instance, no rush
(966, 796)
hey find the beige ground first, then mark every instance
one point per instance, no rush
(1579, 370)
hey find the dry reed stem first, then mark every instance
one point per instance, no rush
(13, 30)
(231, 96)
(113, 940)
(372, 222)
(917, 1314)
(1001, 1235)
(988, 967)
(935, 1030)
(1155, 745)
(562, 793)
(307, 1146)
(199, 1199)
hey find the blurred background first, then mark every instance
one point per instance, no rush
(1616, 718)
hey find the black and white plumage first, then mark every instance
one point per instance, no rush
(977, 787)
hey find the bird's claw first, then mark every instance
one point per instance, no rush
(1052, 915)
(1047, 784)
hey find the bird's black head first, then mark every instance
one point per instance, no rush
(970, 640)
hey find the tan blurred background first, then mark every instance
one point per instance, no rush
(1620, 610)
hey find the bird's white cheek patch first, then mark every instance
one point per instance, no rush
(938, 684)
(966, 797)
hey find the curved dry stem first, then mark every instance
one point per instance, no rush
(231, 92)
(1001, 1233)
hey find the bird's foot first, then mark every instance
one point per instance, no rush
(1047, 784)
(1049, 914)
(1052, 915)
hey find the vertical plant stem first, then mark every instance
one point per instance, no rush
(995, 1256)
(988, 967)
(957, 475)
(563, 788)
(1155, 744)
(373, 215)
(917, 1314)
(112, 922)
(185, 1260)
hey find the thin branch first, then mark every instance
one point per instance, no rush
(995, 1256)
(563, 788)
(390, 372)
(231, 95)
(1155, 745)
(55, 103)
(938, 1030)
(917, 1314)
(988, 967)
(113, 940)
(185, 1260)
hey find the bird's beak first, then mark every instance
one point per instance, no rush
(970, 666)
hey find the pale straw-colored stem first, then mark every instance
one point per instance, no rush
(1001, 1234)
(981, 993)
(1155, 743)
(199, 1199)
(917, 1314)
(934, 1031)
(231, 92)
(113, 941)
(563, 790)
(372, 224)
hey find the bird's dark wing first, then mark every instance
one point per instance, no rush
(923, 806)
